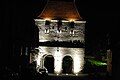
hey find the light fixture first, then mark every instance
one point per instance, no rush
(66, 73)
(47, 19)
(76, 74)
(71, 20)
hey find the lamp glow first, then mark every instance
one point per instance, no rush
(71, 20)
(78, 63)
(58, 62)
(47, 19)
(38, 60)
(76, 74)
(66, 74)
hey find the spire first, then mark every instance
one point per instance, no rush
(60, 9)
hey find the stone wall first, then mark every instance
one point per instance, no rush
(67, 33)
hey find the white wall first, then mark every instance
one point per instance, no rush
(77, 55)
(52, 35)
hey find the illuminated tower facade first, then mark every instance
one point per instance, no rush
(61, 38)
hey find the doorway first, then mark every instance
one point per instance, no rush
(49, 63)
(67, 64)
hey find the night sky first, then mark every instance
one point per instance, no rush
(101, 18)
(16, 20)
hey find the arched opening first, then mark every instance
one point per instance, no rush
(67, 64)
(49, 63)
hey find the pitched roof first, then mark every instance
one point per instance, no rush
(60, 9)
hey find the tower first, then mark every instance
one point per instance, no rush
(61, 35)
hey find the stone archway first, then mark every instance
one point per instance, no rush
(67, 64)
(49, 63)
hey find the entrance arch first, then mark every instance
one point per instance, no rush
(49, 63)
(67, 64)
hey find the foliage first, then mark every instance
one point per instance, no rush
(96, 62)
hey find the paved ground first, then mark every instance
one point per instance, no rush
(34, 76)
(91, 76)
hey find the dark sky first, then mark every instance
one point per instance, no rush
(16, 25)
(100, 16)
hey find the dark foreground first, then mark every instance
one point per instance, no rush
(32, 76)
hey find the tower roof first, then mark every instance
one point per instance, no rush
(60, 9)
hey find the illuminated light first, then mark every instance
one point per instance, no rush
(80, 21)
(43, 40)
(76, 74)
(66, 74)
(97, 63)
(47, 19)
(65, 21)
(57, 74)
(71, 20)
(39, 20)
(59, 31)
(51, 35)
(46, 31)
(54, 21)
(38, 60)
(58, 62)
(78, 63)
